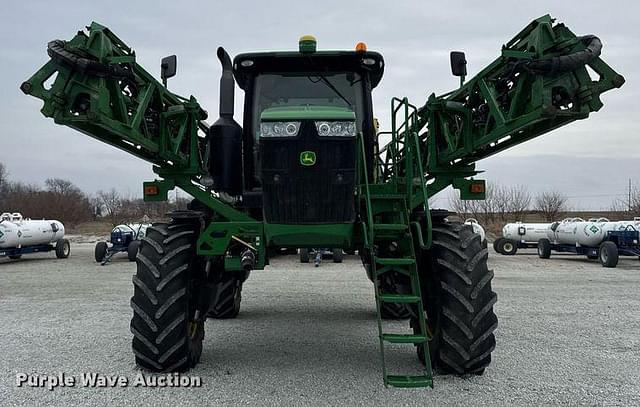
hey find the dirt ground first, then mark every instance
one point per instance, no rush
(568, 335)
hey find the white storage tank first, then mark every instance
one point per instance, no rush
(15, 231)
(577, 231)
(525, 232)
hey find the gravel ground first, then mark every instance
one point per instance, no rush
(568, 335)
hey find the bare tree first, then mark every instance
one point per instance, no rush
(631, 205)
(551, 205)
(3, 177)
(519, 201)
(112, 204)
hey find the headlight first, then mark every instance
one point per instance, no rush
(336, 129)
(279, 129)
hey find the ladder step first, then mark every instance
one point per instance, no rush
(388, 196)
(402, 338)
(390, 261)
(390, 227)
(399, 298)
(409, 381)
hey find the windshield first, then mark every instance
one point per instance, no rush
(332, 89)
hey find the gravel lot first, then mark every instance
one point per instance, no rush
(568, 335)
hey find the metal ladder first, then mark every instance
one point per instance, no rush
(384, 202)
(405, 265)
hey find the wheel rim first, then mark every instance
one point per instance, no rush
(508, 247)
(66, 249)
(604, 256)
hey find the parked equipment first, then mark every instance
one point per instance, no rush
(519, 235)
(306, 170)
(124, 238)
(596, 238)
(336, 254)
(477, 228)
(20, 236)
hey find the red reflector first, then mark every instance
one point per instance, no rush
(477, 188)
(151, 190)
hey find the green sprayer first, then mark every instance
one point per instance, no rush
(307, 169)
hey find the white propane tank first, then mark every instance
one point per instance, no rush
(525, 232)
(15, 231)
(476, 228)
(578, 232)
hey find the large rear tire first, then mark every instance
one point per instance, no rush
(166, 325)
(226, 301)
(395, 283)
(457, 295)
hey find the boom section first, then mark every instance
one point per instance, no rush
(546, 77)
(94, 85)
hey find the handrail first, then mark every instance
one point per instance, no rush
(363, 169)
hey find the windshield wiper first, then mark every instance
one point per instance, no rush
(330, 85)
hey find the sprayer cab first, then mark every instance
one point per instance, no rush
(302, 114)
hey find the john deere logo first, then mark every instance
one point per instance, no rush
(307, 158)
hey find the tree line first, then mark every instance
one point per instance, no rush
(511, 203)
(60, 199)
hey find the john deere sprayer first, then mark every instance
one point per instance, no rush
(307, 169)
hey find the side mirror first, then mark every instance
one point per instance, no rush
(168, 68)
(458, 64)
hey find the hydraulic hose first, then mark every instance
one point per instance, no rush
(56, 50)
(569, 62)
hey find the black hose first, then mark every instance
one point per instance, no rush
(57, 51)
(569, 62)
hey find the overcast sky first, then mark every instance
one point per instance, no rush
(591, 160)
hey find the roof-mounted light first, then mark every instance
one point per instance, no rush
(307, 44)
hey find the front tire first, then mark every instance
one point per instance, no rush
(497, 245)
(608, 254)
(544, 248)
(508, 247)
(166, 325)
(132, 250)
(457, 294)
(337, 255)
(304, 255)
(63, 248)
(100, 251)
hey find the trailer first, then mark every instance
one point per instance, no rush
(622, 242)
(124, 238)
(20, 236)
(518, 235)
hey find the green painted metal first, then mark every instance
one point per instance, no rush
(313, 236)
(502, 106)
(307, 112)
(100, 90)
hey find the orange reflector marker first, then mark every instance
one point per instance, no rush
(477, 188)
(361, 47)
(151, 190)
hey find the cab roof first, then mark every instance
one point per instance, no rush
(320, 61)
